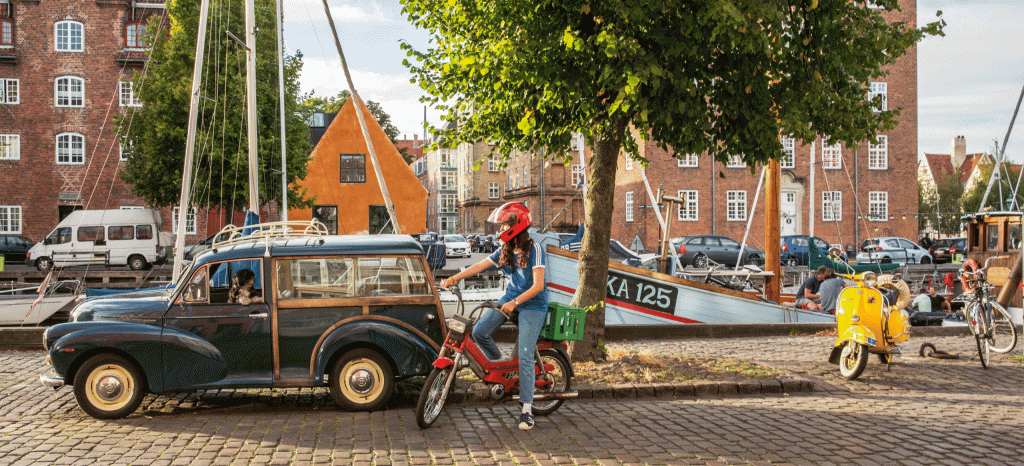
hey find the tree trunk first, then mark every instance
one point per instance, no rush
(593, 268)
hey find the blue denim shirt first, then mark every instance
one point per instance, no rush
(521, 279)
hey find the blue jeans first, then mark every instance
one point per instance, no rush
(530, 325)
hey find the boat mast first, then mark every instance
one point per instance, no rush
(250, 100)
(359, 106)
(280, 95)
(190, 142)
(999, 158)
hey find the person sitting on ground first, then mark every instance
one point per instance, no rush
(242, 291)
(807, 296)
(829, 291)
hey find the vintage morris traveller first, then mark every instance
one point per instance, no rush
(354, 313)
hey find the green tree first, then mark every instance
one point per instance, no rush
(156, 132)
(724, 77)
(1000, 195)
(333, 105)
(943, 206)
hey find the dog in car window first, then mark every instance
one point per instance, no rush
(242, 291)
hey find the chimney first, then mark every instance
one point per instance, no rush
(415, 141)
(959, 151)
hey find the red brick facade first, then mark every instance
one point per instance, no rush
(33, 180)
(854, 180)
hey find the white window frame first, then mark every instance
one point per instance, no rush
(526, 176)
(736, 206)
(878, 206)
(10, 147)
(629, 162)
(492, 164)
(6, 32)
(448, 181)
(831, 206)
(832, 157)
(67, 44)
(789, 152)
(492, 190)
(70, 94)
(123, 149)
(190, 221)
(688, 211)
(688, 161)
(447, 158)
(135, 33)
(878, 154)
(72, 155)
(448, 203)
(519, 175)
(735, 161)
(126, 92)
(629, 206)
(879, 89)
(577, 174)
(10, 219)
(10, 91)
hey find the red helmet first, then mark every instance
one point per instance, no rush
(513, 214)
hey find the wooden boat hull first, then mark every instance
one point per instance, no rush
(640, 297)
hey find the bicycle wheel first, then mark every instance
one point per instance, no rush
(1004, 333)
(972, 317)
(433, 396)
(983, 350)
(558, 380)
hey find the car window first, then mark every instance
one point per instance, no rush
(121, 233)
(696, 241)
(729, 243)
(144, 231)
(454, 239)
(93, 233)
(799, 241)
(906, 244)
(337, 277)
(197, 289)
(869, 243)
(821, 244)
(222, 278)
(892, 244)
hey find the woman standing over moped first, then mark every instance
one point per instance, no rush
(523, 261)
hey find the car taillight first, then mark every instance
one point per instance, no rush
(879, 248)
(682, 249)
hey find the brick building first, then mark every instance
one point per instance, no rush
(465, 183)
(841, 194)
(65, 70)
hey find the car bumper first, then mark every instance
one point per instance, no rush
(51, 379)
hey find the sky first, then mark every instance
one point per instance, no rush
(968, 81)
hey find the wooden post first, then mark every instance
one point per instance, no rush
(772, 261)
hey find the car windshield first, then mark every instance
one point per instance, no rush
(943, 243)
(454, 239)
(869, 243)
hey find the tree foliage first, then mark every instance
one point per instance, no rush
(156, 132)
(1001, 194)
(722, 77)
(311, 104)
(943, 207)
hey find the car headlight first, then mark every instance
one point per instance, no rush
(870, 279)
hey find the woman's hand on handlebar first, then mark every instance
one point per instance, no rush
(447, 283)
(508, 307)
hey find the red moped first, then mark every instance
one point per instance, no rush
(553, 371)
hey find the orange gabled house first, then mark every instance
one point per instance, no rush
(342, 181)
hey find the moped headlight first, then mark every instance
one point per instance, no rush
(458, 326)
(870, 279)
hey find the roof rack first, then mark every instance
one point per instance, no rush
(270, 231)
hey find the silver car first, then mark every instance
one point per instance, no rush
(892, 249)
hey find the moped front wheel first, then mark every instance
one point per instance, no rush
(557, 380)
(853, 360)
(433, 396)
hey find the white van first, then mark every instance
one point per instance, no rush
(129, 237)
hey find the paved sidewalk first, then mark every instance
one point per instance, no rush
(921, 411)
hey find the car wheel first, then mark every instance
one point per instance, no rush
(361, 380)
(44, 264)
(137, 262)
(108, 387)
(926, 260)
(886, 260)
(700, 261)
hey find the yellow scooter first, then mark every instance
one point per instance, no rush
(870, 319)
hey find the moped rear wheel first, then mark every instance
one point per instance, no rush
(853, 360)
(433, 396)
(557, 380)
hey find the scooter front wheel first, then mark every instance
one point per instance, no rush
(853, 360)
(433, 396)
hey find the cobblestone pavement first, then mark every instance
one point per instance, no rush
(921, 411)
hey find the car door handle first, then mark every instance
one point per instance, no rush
(258, 315)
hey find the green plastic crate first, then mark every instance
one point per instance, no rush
(564, 323)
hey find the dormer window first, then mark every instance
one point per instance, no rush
(134, 35)
(68, 36)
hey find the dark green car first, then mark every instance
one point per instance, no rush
(354, 313)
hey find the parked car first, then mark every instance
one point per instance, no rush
(456, 245)
(798, 247)
(947, 249)
(433, 249)
(13, 248)
(892, 249)
(307, 326)
(696, 250)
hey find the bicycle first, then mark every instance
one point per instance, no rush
(989, 322)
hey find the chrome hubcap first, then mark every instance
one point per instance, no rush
(109, 388)
(361, 381)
